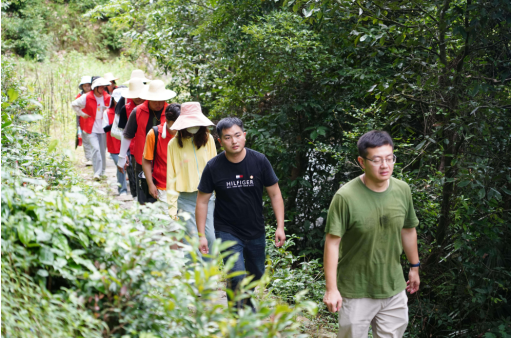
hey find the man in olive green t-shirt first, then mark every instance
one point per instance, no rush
(374, 216)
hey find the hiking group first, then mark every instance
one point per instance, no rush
(170, 156)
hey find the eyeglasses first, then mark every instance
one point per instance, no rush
(378, 160)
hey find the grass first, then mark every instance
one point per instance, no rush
(55, 82)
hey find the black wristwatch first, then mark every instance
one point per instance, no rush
(414, 265)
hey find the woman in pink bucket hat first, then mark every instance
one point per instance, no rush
(187, 155)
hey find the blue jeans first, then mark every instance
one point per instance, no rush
(252, 255)
(187, 202)
(121, 177)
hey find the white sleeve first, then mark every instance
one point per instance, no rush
(78, 105)
(125, 144)
(105, 123)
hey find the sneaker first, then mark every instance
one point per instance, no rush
(96, 178)
(88, 163)
(123, 194)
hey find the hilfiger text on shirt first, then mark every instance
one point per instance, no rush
(240, 183)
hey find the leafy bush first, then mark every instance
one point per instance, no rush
(109, 271)
(31, 311)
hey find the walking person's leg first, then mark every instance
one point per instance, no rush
(87, 148)
(255, 257)
(96, 154)
(239, 265)
(102, 142)
(121, 177)
(132, 177)
(210, 227)
(392, 320)
(355, 316)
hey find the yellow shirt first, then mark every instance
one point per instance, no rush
(184, 168)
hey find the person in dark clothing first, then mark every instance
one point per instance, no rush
(144, 117)
(127, 103)
(238, 176)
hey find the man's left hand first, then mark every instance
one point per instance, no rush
(412, 285)
(280, 237)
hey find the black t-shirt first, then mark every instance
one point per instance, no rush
(120, 109)
(153, 119)
(239, 192)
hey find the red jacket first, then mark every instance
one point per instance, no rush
(140, 136)
(90, 109)
(160, 161)
(113, 145)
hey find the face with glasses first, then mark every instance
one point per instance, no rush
(378, 163)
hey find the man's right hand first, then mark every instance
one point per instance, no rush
(203, 245)
(333, 300)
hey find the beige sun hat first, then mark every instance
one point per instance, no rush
(110, 77)
(191, 116)
(155, 91)
(100, 82)
(135, 88)
(137, 73)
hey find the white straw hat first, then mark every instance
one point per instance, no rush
(84, 80)
(135, 88)
(110, 77)
(155, 91)
(191, 116)
(137, 73)
(100, 82)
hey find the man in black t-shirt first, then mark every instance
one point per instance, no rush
(237, 176)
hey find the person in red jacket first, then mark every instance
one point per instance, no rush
(114, 145)
(156, 172)
(91, 107)
(84, 87)
(129, 100)
(149, 114)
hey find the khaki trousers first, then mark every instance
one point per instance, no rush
(388, 317)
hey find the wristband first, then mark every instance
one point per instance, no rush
(414, 265)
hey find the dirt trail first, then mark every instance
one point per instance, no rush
(108, 185)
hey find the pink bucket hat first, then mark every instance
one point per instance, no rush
(191, 116)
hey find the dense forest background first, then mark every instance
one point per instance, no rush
(308, 78)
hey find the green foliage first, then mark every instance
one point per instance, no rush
(29, 310)
(33, 29)
(309, 77)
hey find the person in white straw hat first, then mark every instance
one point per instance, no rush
(84, 87)
(91, 107)
(113, 144)
(110, 77)
(144, 117)
(127, 103)
(187, 155)
(138, 73)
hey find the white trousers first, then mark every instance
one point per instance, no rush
(388, 317)
(86, 146)
(98, 145)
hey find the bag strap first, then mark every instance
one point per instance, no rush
(155, 130)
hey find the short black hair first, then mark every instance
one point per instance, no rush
(373, 139)
(227, 123)
(173, 111)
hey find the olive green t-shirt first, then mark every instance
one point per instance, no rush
(369, 224)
